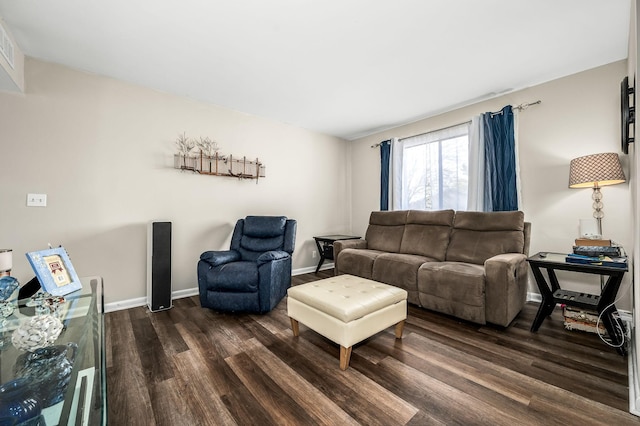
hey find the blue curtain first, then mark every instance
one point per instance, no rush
(500, 161)
(385, 154)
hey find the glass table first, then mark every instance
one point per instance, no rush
(79, 345)
(552, 293)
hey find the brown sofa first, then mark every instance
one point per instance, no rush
(471, 265)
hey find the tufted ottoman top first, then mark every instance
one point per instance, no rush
(346, 297)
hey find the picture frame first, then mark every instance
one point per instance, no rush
(55, 271)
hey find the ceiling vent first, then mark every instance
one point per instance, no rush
(6, 46)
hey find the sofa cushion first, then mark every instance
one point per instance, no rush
(385, 230)
(358, 262)
(427, 233)
(477, 236)
(453, 288)
(400, 270)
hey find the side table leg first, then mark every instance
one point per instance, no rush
(320, 253)
(548, 304)
(545, 309)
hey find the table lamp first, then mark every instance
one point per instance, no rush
(595, 171)
(6, 262)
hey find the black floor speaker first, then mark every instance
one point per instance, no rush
(159, 266)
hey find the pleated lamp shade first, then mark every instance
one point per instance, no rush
(596, 170)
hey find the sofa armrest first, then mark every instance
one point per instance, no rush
(505, 287)
(217, 258)
(340, 245)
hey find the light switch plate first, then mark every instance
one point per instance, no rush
(36, 200)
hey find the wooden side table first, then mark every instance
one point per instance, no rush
(552, 293)
(325, 246)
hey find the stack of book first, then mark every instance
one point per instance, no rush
(610, 261)
(597, 252)
(577, 319)
(595, 248)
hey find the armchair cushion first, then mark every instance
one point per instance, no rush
(255, 235)
(239, 277)
(264, 226)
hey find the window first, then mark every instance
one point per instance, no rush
(435, 169)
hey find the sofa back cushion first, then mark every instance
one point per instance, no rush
(477, 236)
(427, 233)
(385, 230)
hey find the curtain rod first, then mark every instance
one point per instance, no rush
(437, 130)
(520, 107)
(378, 144)
(430, 131)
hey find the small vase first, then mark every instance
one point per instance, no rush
(18, 405)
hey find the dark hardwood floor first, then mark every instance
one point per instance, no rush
(194, 366)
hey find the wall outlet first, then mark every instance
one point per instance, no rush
(314, 254)
(36, 200)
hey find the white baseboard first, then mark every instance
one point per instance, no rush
(179, 294)
(534, 297)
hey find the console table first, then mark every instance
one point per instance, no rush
(325, 246)
(552, 293)
(82, 313)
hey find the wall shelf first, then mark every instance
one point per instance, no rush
(220, 165)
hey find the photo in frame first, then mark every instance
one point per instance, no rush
(54, 271)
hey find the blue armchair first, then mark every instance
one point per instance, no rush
(254, 275)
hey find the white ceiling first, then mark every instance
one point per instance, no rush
(342, 67)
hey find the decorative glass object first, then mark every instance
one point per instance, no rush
(38, 332)
(6, 309)
(18, 404)
(8, 285)
(49, 369)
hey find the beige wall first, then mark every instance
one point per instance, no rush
(102, 151)
(579, 115)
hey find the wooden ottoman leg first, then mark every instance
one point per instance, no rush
(345, 356)
(295, 326)
(399, 329)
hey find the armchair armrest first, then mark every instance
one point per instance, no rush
(217, 258)
(505, 287)
(270, 256)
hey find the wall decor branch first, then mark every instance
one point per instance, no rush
(202, 156)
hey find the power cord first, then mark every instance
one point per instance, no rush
(620, 327)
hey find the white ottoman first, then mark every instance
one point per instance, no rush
(347, 310)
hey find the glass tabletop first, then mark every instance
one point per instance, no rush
(571, 261)
(57, 346)
(337, 237)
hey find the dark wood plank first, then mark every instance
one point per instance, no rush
(190, 365)
(127, 389)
